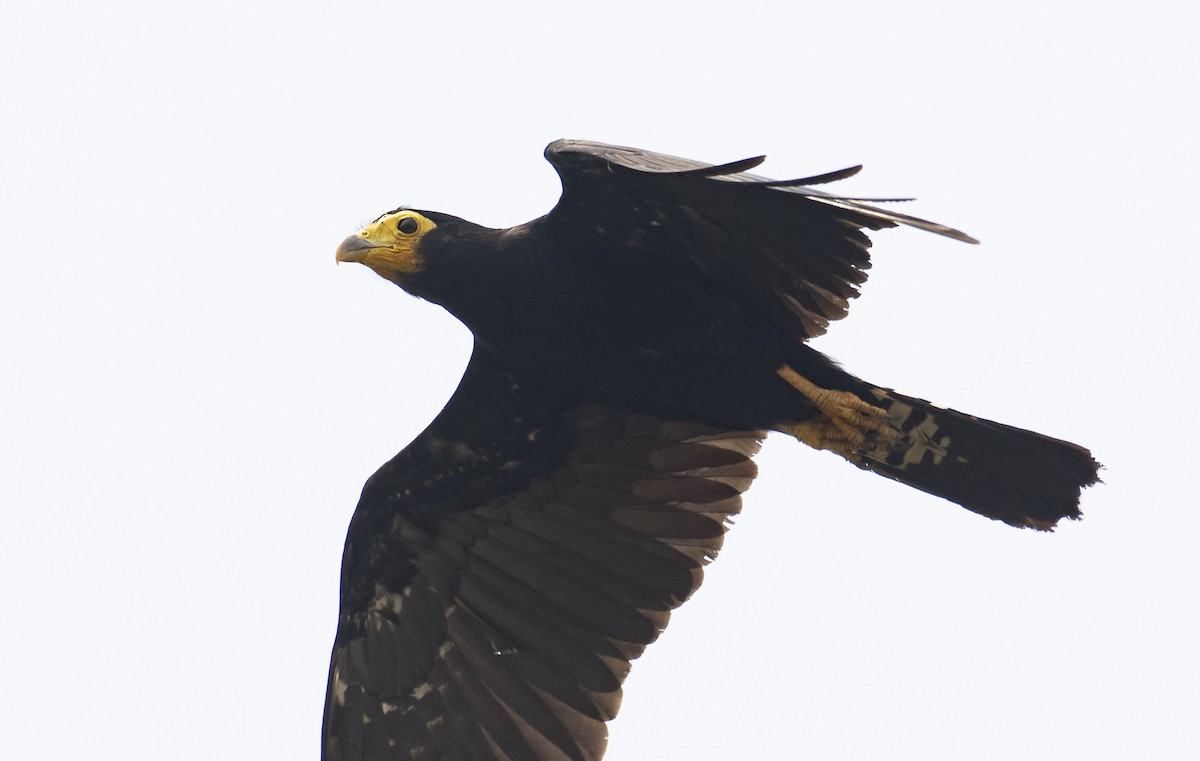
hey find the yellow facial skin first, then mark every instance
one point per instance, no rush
(389, 244)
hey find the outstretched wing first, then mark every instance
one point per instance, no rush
(797, 252)
(502, 571)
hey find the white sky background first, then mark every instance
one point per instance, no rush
(191, 394)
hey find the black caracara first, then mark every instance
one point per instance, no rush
(632, 349)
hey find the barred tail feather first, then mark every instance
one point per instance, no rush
(1008, 474)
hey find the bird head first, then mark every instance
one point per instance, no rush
(391, 245)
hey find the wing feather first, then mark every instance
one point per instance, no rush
(798, 252)
(495, 674)
(503, 570)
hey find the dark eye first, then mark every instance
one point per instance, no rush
(407, 226)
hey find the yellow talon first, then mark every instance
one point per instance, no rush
(849, 427)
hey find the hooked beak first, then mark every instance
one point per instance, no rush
(355, 249)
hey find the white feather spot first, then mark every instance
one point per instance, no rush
(421, 690)
(339, 686)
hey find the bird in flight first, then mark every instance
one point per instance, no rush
(632, 348)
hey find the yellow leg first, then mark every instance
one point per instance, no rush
(848, 426)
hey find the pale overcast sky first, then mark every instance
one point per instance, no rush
(192, 394)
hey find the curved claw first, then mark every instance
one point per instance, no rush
(849, 426)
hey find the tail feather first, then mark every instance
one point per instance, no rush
(1008, 474)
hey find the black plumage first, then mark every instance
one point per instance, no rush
(632, 348)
